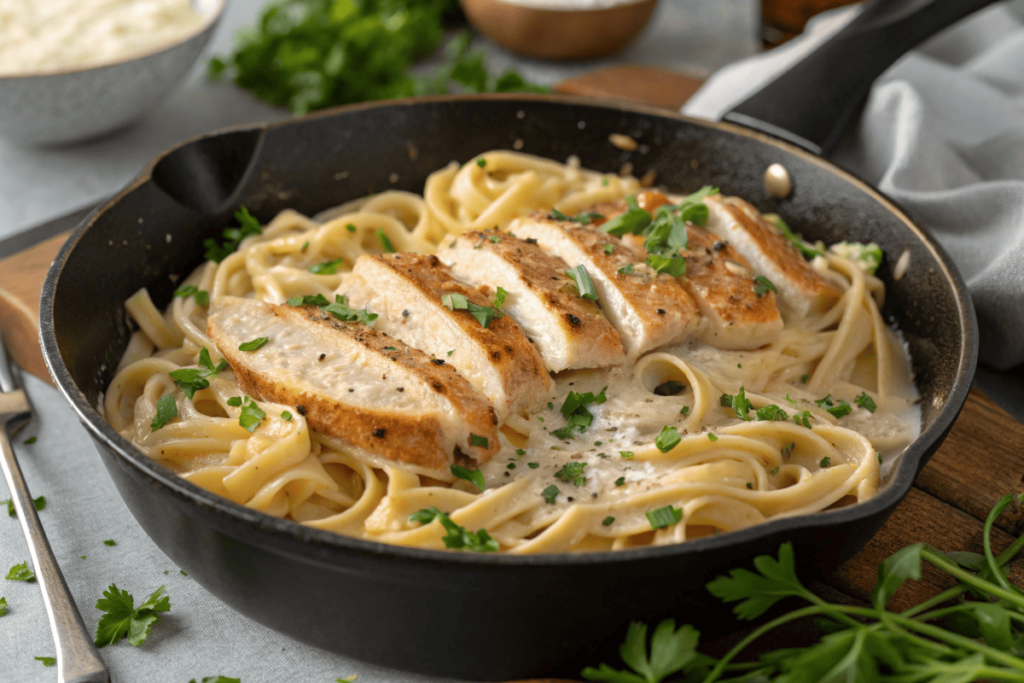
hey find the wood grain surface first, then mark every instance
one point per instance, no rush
(979, 462)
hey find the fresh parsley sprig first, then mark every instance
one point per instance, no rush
(122, 618)
(458, 537)
(980, 638)
(339, 309)
(247, 226)
(575, 412)
(191, 380)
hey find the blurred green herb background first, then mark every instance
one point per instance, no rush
(312, 54)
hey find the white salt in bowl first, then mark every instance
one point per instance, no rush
(560, 29)
(77, 103)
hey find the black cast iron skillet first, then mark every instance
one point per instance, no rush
(472, 616)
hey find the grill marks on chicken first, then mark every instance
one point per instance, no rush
(406, 290)
(569, 331)
(649, 310)
(801, 288)
(354, 383)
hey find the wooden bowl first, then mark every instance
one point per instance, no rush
(563, 34)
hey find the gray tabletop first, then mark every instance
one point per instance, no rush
(691, 36)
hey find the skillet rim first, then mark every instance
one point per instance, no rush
(290, 538)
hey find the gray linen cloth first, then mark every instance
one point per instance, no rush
(942, 134)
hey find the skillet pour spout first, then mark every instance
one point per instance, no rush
(463, 615)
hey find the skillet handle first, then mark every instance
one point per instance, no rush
(812, 103)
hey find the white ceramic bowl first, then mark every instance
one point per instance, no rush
(79, 103)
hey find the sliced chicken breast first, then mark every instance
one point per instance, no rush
(801, 289)
(569, 331)
(355, 383)
(648, 309)
(406, 290)
(722, 284)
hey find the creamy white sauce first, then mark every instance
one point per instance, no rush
(52, 35)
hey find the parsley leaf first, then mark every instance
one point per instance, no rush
(771, 413)
(385, 242)
(476, 477)
(578, 418)
(572, 472)
(668, 439)
(484, 315)
(804, 248)
(308, 300)
(166, 410)
(327, 267)
(342, 311)
(632, 222)
(201, 296)
(39, 503)
(47, 661)
(3, 607)
(477, 440)
(866, 402)
(739, 404)
(802, 418)
(256, 343)
(664, 517)
(122, 618)
(251, 415)
(550, 494)
(219, 679)
(837, 410)
(763, 285)
(249, 226)
(458, 538)
(757, 593)
(669, 265)
(671, 650)
(21, 572)
(191, 380)
(584, 285)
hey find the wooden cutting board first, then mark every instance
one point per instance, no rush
(979, 463)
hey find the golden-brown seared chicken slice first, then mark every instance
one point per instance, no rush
(406, 290)
(722, 284)
(648, 309)
(355, 383)
(569, 331)
(801, 289)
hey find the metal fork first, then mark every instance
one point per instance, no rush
(78, 660)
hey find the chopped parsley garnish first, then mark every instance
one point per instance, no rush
(251, 415)
(685, 410)
(476, 440)
(668, 439)
(533, 465)
(253, 345)
(475, 477)
(609, 248)
(481, 162)
(454, 301)
(201, 296)
(342, 311)
(224, 679)
(712, 437)
(286, 416)
(584, 218)
(235, 401)
(632, 222)
(750, 485)
(840, 409)
(787, 450)
(191, 380)
(574, 410)
(122, 618)
(866, 402)
(550, 494)
(775, 470)
(499, 298)
(166, 410)
(451, 352)
(803, 418)
(510, 466)
(30, 440)
(327, 267)
(110, 541)
(664, 517)
(626, 269)
(772, 413)
(763, 285)
(626, 454)
(308, 300)
(620, 481)
(305, 246)
(3, 607)
(520, 452)
(669, 265)
(826, 461)
(350, 227)
(607, 521)
(248, 226)
(21, 572)
(458, 538)
(47, 661)
(39, 503)
(584, 285)
(385, 243)
(572, 472)
(739, 404)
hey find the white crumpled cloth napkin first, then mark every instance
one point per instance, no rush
(942, 134)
